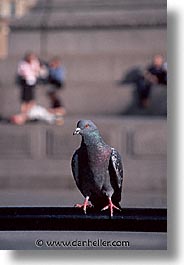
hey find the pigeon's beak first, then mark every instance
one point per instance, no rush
(77, 131)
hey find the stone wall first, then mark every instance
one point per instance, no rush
(38, 156)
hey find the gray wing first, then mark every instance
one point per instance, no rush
(75, 168)
(116, 175)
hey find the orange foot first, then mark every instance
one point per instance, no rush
(111, 206)
(84, 205)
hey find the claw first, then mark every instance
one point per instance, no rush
(84, 205)
(111, 206)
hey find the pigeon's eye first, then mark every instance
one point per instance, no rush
(87, 125)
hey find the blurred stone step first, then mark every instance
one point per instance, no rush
(58, 19)
(117, 41)
(97, 4)
(93, 14)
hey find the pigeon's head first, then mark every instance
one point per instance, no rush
(85, 127)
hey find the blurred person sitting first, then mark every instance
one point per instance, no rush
(27, 75)
(155, 73)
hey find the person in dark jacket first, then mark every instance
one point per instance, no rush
(155, 73)
(56, 81)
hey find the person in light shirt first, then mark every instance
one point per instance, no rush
(28, 73)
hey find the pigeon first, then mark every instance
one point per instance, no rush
(97, 169)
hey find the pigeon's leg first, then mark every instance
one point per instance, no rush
(84, 205)
(111, 206)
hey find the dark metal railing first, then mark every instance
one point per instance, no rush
(66, 218)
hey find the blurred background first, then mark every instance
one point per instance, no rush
(107, 49)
